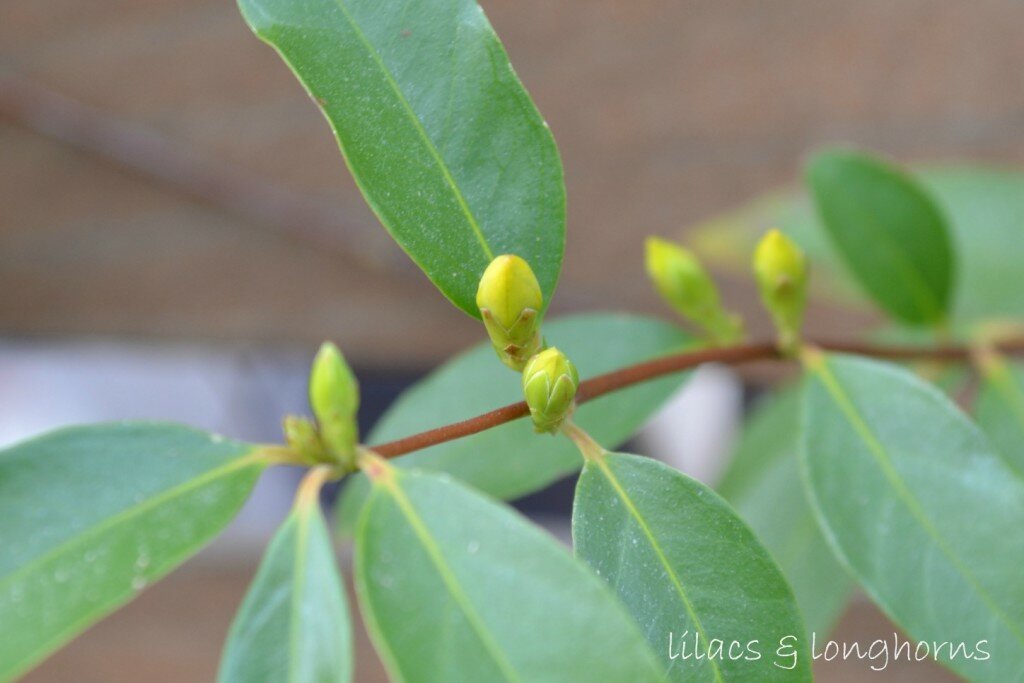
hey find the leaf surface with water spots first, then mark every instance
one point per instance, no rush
(90, 515)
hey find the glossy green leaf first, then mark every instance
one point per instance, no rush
(984, 209)
(294, 622)
(763, 484)
(90, 515)
(926, 516)
(890, 233)
(1000, 410)
(687, 566)
(511, 460)
(442, 139)
(457, 587)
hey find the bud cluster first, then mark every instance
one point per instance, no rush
(334, 397)
(511, 303)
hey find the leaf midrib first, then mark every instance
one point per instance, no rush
(298, 586)
(429, 544)
(882, 457)
(133, 511)
(662, 558)
(418, 127)
(62, 635)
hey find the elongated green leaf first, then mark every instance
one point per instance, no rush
(691, 572)
(1000, 410)
(455, 587)
(443, 140)
(924, 514)
(293, 624)
(763, 485)
(511, 460)
(90, 515)
(890, 233)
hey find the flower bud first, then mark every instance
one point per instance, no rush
(781, 271)
(303, 438)
(550, 381)
(334, 396)
(510, 303)
(687, 287)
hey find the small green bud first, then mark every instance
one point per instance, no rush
(686, 286)
(302, 436)
(550, 381)
(510, 303)
(334, 396)
(781, 271)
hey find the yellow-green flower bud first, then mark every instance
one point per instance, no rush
(334, 396)
(686, 286)
(510, 303)
(781, 271)
(303, 438)
(550, 381)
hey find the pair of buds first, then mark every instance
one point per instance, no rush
(780, 269)
(511, 304)
(334, 397)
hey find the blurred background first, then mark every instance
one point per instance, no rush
(178, 230)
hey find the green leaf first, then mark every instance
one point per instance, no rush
(985, 209)
(763, 484)
(685, 564)
(455, 587)
(916, 504)
(1000, 410)
(511, 460)
(294, 623)
(440, 135)
(90, 515)
(890, 233)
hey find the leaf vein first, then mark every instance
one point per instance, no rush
(662, 558)
(884, 460)
(429, 544)
(418, 127)
(133, 511)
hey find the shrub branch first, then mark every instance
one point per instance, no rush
(609, 382)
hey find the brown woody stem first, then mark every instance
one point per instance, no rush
(667, 365)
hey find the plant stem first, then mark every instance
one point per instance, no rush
(589, 449)
(309, 489)
(667, 365)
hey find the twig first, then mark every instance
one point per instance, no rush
(667, 365)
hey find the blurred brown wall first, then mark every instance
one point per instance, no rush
(666, 112)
